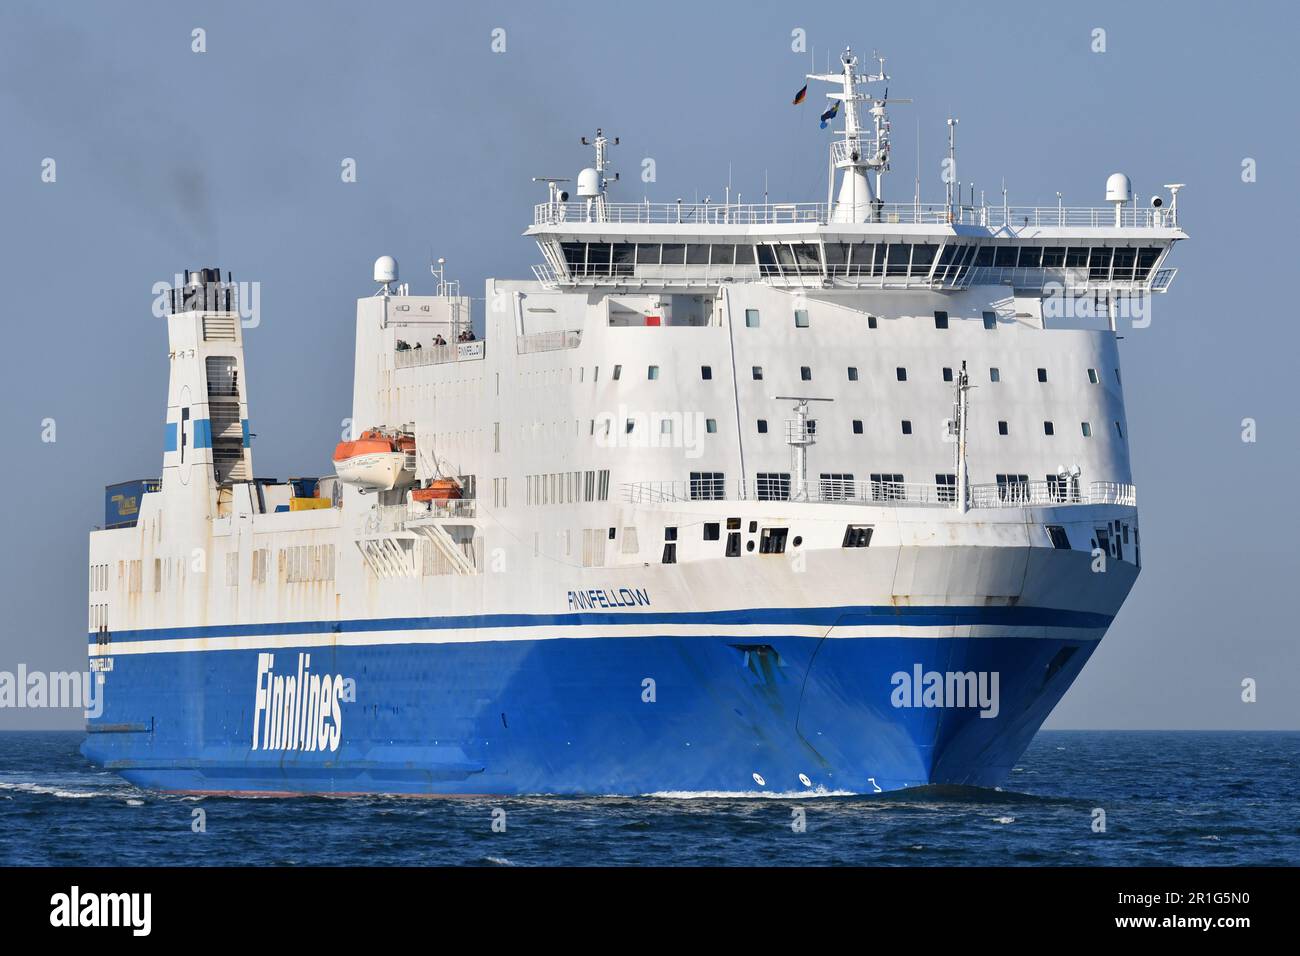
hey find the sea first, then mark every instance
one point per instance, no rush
(1076, 798)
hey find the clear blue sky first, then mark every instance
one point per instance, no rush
(168, 159)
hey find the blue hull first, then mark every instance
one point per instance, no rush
(572, 716)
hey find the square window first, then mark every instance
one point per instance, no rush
(947, 375)
(1002, 428)
(901, 373)
(857, 426)
(1042, 375)
(758, 373)
(940, 320)
(711, 426)
(1092, 376)
(995, 375)
(762, 426)
(706, 372)
(1049, 428)
(853, 374)
(871, 321)
(712, 531)
(907, 427)
(801, 318)
(1087, 429)
(652, 372)
(805, 373)
(618, 372)
(991, 321)
(670, 534)
(751, 318)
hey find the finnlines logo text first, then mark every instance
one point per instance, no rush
(946, 689)
(608, 597)
(299, 711)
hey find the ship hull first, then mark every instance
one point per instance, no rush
(431, 711)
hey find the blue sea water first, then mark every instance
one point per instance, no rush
(1203, 798)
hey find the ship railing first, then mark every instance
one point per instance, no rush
(438, 354)
(821, 214)
(780, 487)
(398, 517)
(548, 341)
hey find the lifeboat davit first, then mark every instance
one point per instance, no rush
(377, 461)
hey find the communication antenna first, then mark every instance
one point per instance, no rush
(593, 184)
(799, 437)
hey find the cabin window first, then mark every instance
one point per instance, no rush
(995, 375)
(871, 321)
(762, 426)
(1092, 376)
(751, 318)
(805, 373)
(618, 372)
(801, 318)
(836, 486)
(1086, 427)
(670, 552)
(1042, 375)
(1060, 540)
(853, 374)
(1002, 428)
(857, 426)
(712, 531)
(947, 374)
(1049, 428)
(711, 426)
(857, 536)
(629, 426)
(652, 372)
(907, 427)
(706, 372)
(758, 373)
(772, 541)
(773, 486)
(733, 544)
(940, 320)
(707, 486)
(901, 373)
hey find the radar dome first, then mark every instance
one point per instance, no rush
(1118, 188)
(385, 269)
(588, 183)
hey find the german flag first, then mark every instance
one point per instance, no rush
(801, 95)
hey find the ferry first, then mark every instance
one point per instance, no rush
(726, 497)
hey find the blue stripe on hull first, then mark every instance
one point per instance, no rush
(567, 716)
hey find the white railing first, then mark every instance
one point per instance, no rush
(438, 354)
(397, 517)
(751, 214)
(547, 341)
(883, 493)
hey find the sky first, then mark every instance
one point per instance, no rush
(167, 159)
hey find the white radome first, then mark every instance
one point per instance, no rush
(385, 269)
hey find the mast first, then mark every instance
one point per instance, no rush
(963, 386)
(860, 153)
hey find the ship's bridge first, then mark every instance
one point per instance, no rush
(900, 246)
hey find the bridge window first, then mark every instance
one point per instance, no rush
(724, 255)
(1005, 257)
(1053, 257)
(1031, 257)
(674, 254)
(697, 255)
(1146, 260)
(1076, 257)
(647, 254)
(1099, 262)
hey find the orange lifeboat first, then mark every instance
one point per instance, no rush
(440, 489)
(377, 461)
